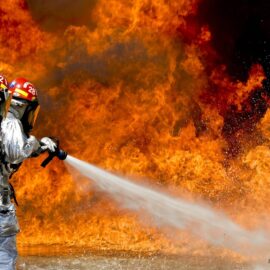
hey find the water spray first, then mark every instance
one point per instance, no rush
(197, 218)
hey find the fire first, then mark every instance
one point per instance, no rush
(139, 92)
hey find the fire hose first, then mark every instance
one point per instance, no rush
(59, 153)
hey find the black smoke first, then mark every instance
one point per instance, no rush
(56, 15)
(240, 33)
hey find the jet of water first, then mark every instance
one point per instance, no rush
(199, 219)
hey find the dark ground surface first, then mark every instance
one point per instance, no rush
(127, 261)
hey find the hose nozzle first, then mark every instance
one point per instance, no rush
(59, 153)
(62, 155)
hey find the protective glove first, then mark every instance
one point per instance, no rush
(48, 144)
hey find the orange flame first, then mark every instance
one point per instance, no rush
(132, 94)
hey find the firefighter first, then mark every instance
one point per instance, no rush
(8, 221)
(16, 145)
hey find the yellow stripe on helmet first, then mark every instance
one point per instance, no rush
(3, 86)
(21, 92)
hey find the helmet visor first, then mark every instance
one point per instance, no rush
(32, 116)
(5, 100)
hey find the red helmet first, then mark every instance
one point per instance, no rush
(22, 89)
(3, 82)
(5, 97)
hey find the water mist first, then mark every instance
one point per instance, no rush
(199, 219)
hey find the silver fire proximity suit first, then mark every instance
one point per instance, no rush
(15, 147)
(19, 108)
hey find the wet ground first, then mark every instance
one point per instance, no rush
(127, 262)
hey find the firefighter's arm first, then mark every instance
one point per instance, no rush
(16, 145)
